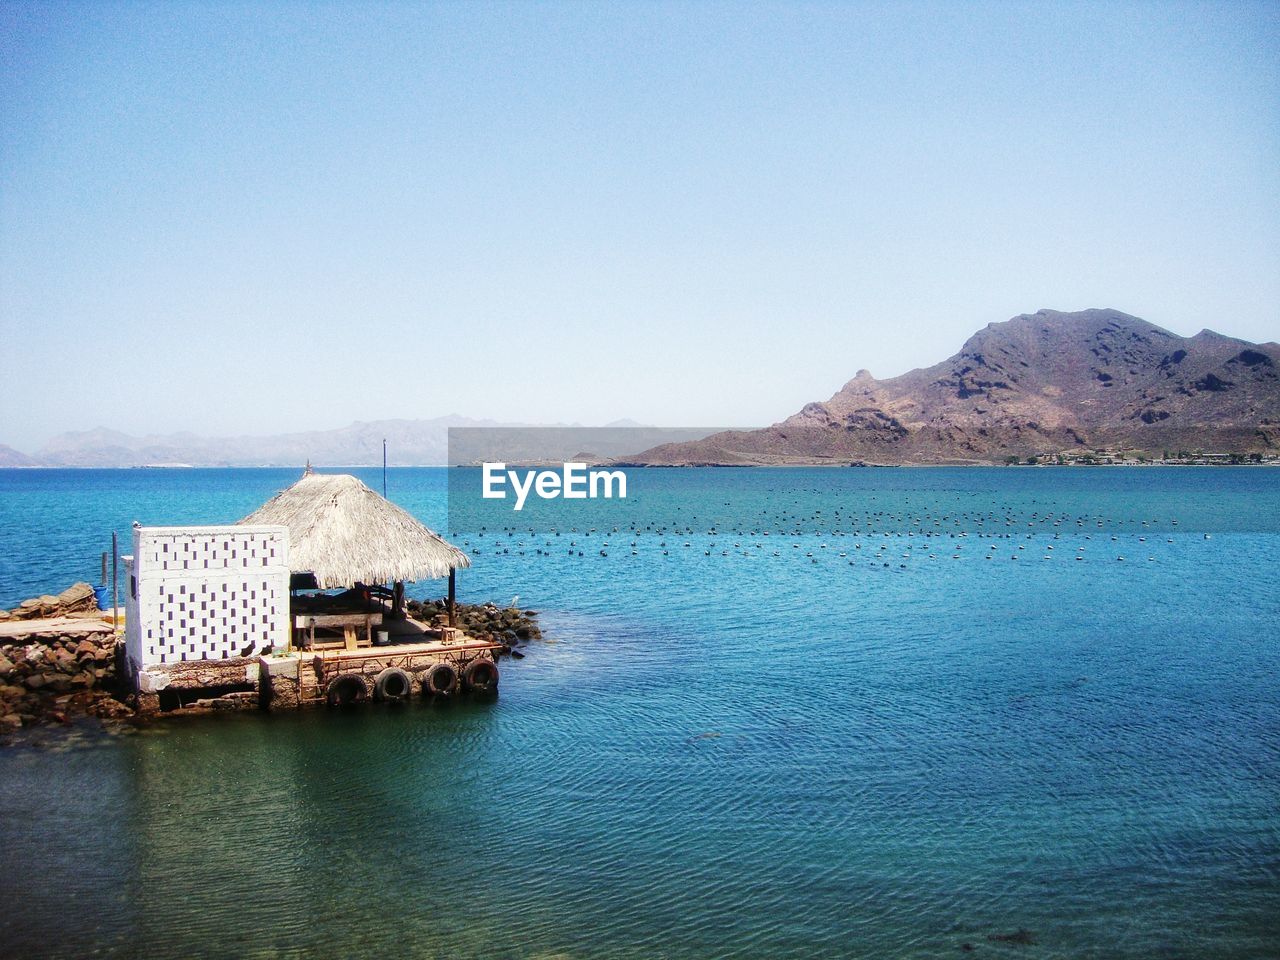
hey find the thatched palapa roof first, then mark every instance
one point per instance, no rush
(344, 533)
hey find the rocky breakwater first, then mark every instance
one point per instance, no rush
(57, 661)
(75, 601)
(52, 679)
(511, 627)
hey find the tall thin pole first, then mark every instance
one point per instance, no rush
(384, 467)
(115, 585)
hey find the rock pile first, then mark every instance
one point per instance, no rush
(75, 601)
(508, 626)
(55, 678)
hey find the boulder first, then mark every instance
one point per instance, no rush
(78, 597)
(109, 708)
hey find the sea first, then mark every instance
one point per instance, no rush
(811, 713)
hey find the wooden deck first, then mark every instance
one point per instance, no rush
(54, 627)
(357, 657)
(316, 669)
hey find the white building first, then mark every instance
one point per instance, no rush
(206, 593)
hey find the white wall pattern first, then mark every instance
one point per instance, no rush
(207, 593)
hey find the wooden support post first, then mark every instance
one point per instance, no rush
(115, 585)
(453, 597)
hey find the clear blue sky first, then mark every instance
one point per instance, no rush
(261, 217)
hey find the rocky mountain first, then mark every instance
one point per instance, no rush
(1039, 383)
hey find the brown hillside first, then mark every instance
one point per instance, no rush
(1038, 383)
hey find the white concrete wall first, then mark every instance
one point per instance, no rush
(206, 593)
(132, 630)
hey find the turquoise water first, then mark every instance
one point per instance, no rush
(857, 736)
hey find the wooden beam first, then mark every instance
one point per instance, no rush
(453, 596)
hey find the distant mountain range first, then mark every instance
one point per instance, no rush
(1041, 383)
(10, 457)
(409, 442)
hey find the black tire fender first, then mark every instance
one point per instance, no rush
(480, 676)
(440, 680)
(345, 690)
(393, 684)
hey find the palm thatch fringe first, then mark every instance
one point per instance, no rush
(344, 533)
